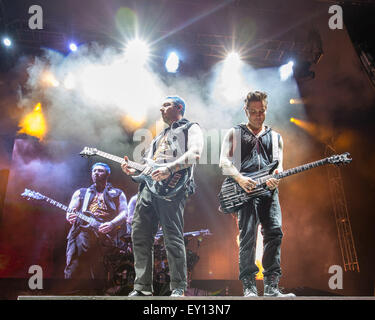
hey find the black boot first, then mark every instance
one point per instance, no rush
(271, 288)
(249, 287)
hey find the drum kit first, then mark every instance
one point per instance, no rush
(119, 261)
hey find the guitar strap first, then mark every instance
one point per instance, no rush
(186, 133)
(86, 200)
(275, 146)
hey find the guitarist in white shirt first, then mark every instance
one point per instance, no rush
(177, 148)
(256, 150)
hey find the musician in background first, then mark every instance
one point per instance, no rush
(85, 247)
(177, 147)
(257, 146)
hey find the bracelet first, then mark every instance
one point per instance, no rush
(170, 171)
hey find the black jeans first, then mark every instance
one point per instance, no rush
(266, 211)
(84, 256)
(148, 212)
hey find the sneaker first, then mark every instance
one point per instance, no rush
(136, 293)
(250, 292)
(271, 287)
(177, 293)
(249, 287)
(274, 291)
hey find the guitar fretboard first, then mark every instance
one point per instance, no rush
(131, 164)
(57, 204)
(67, 209)
(295, 170)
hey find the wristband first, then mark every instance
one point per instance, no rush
(170, 171)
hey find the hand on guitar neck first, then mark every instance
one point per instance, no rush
(249, 184)
(125, 167)
(71, 217)
(273, 183)
(105, 227)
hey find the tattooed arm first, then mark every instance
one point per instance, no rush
(190, 157)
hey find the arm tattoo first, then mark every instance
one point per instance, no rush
(195, 148)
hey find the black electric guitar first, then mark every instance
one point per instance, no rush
(165, 189)
(232, 197)
(88, 220)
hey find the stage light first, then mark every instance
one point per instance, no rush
(286, 71)
(233, 59)
(73, 47)
(34, 123)
(292, 120)
(297, 101)
(172, 62)
(231, 82)
(137, 51)
(7, 42)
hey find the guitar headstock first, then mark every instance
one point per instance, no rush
(30, 194)
(206, 232)
(338, 159)
(88, 152)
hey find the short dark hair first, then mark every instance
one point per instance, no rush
(178, 101)
(106, 167)
(256, 96)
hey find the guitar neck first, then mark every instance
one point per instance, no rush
(295, 170)
(120, 160)
(302, 168)
(66, 209)
(57, 204)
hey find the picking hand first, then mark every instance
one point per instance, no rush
(246, 183)
(160, 174)
(106, 227)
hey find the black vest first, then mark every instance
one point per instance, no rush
(256, 152)
(111, 198)
(178, 141)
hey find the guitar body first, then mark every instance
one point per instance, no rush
(232, 197)
(164, 189)
(89, 221)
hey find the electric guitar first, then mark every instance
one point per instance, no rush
(232, 197)
(88, 220)
(165, 189)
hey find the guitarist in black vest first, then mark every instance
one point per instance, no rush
(177, 147)
(85, 247)
(257, 146)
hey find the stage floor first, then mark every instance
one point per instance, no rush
(210, 298)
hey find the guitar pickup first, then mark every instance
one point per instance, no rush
(174, 180)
